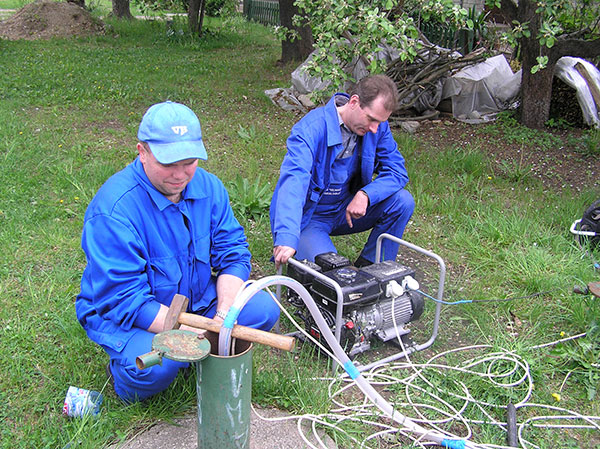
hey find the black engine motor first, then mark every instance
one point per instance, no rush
(378, 300)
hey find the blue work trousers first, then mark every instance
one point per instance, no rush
(132, 384)
(388, 216)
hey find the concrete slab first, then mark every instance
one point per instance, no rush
(272, 432)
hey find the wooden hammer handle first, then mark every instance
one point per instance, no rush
(242, 332)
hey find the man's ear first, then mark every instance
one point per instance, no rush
(141, 150)
(354, 101)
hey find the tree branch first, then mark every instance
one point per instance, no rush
(352, 41)
(416, 78)
(580, 34)
(577, 47)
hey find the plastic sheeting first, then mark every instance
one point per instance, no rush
(295, 97)
(428, 99)
(480, 91)
(565, 70)
(303, 83)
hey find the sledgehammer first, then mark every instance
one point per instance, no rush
(177, 316)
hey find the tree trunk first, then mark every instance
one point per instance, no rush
(196, 16)
(120, 9)
(201, 19)
(536, 88)
(536, 93)
(300, 48)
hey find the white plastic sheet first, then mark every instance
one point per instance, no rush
(302, 83)
(480, 91)
(566, 71)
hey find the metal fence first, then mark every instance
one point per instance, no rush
(262, 11)
(267, 13)
(444, 36)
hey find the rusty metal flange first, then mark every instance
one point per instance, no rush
(181, 346)
(594, 288)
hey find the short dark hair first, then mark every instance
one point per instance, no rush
(372, 87)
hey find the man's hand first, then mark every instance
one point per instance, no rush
(185, 327)
(281, 254)
(357, 207)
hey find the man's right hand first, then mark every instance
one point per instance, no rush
(281, 254)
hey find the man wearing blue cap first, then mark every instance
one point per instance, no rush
(159, 227)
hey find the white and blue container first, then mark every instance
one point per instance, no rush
(80, 402)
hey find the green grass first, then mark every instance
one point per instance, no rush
(13, 4)
(508, 127)
(69, 111)
(100, 7)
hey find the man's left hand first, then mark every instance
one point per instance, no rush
(357, 207)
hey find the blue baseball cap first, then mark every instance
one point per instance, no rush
(172, 131)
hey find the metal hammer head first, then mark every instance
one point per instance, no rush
(178, 305)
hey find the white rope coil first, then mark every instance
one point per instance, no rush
(502, 369)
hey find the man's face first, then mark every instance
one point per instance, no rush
(169, 179)
(361, 119)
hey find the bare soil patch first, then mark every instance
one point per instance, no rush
(47, 19)
(558, 165)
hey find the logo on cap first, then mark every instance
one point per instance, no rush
(180, 130)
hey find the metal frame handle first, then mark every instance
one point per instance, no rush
(340, 299)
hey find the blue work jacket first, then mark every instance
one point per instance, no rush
(313, 145)
(142, 249)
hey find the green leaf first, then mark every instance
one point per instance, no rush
(591, 392)
(249, 199)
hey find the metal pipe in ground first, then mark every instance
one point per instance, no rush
(511, 425)
(224, 386)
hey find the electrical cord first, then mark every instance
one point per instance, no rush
(381, 404)
(469, 301)
(502, 369)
